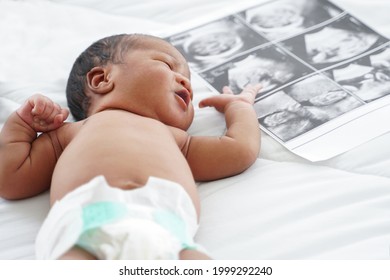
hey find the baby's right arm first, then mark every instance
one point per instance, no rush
(27, 161)
(212, 158)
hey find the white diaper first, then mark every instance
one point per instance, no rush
(153, 222)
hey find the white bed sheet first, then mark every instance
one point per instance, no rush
(283, 207)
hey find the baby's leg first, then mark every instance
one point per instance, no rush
(76, 253)
(192, 255)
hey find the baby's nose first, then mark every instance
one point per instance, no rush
(185, 82)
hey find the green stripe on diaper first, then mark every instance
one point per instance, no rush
(99, 213)
(176, 225)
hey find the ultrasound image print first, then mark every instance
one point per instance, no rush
(213, 43)
(367, 77)
(284, 117)
(315, 62)
(303, 106)
(270, 66)
(323, 96)
(343, 39)
(283, 18)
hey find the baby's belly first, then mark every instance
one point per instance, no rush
(126, 170)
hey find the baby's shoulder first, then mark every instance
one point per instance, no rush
(181, 137)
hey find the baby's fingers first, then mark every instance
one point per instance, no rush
(60, 118)
(252, 89)
(54, 116)
(207, 102)
(44, 108)
(227, 90)
(34, 106)
(38, 104)
(46, 114)
(218, 102)
(57, 121)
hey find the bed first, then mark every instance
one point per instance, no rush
(283, 207)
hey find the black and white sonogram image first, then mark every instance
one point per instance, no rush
(303, 106)
(215, 42)
(285, 18)
(324, 96)
(284, 117)
(367, 77)
(270, 66)
(341, 40)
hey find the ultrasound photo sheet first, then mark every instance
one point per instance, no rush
(325, 74)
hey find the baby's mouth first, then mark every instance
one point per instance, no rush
(184, 96)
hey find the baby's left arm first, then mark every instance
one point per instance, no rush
(212, 158)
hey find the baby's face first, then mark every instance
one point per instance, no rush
(154, 81)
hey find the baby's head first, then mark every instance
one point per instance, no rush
(140, 73)
(100, 53)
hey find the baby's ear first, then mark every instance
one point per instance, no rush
(98, 80)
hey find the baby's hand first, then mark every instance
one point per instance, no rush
(227, 97)
(42, 114)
